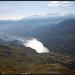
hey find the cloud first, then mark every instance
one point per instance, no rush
(12, 17)
(60, 3)
(18, 17)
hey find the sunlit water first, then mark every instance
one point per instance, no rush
(36, 45)
(27, 42)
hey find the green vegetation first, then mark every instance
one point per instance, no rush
(19, 59)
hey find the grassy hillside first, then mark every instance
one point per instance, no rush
(20, 59)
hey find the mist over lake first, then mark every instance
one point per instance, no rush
(26, 41)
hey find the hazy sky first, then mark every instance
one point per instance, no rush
(20, 9)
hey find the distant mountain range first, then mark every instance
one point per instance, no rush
(21, 27)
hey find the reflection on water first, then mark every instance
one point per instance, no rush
(37, 45)
(26, 41)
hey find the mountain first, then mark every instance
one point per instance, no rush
(60, 37)
(16, 58)
(20, 59)
(21, 27)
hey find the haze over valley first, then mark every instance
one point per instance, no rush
(38, 37)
